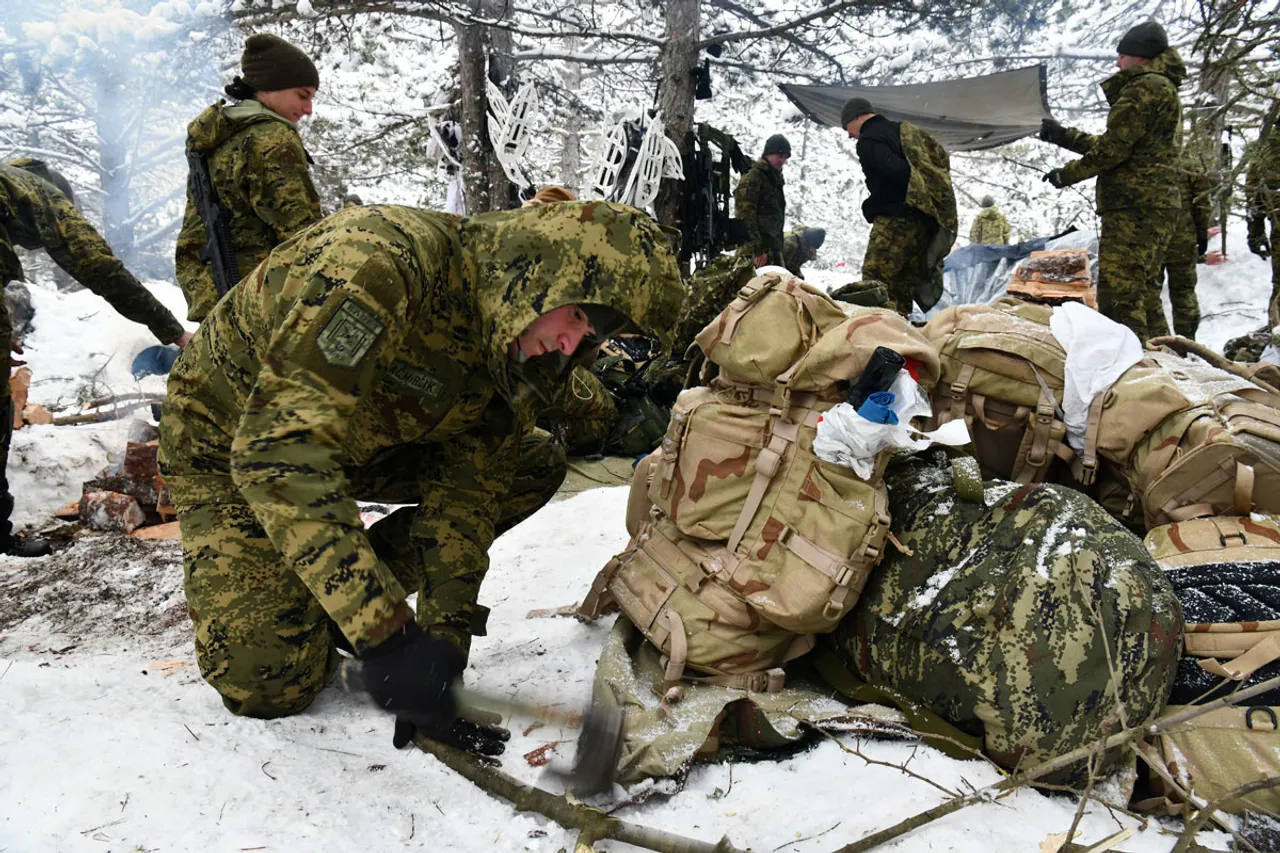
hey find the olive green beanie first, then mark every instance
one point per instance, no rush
(270, 63)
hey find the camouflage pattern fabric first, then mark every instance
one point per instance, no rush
(1030, 619)
(1190, 230)
(1131, 251)
(380, 332)
(1247, 348)
(795, 253)
(261, 174)
(761, 203)
(1135, 160)
(583, 413)
(869, 294)
(895, 255)
(35, 215)
(929, 191)
(989, 228)
(1262, 194)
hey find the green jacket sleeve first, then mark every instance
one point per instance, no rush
(1078, 141)
(1126, 126)
(76, 247)
(277, 181)
(746, 202)
(286, 456)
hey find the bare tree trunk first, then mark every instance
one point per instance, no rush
(502, 71)
(1209, 118)
(571, 146)
(475, 152)
(675, 91)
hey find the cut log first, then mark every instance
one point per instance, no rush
(102, 510)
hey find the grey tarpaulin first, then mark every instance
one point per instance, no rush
(967, 114)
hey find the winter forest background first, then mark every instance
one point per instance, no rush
(103, 90)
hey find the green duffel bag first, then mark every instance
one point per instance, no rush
(1021, 617)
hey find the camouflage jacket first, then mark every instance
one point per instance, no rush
(1262, 182)
(1197, 206)
(989, 228)
(35, 215)
(385, 328)
(795, 253)
(761, 204)
(260, 172)
(929, 189)
(1135, 160)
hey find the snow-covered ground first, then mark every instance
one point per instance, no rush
(110, 741)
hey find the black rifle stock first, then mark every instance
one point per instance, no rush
(217, 225)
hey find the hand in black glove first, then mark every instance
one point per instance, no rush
(1054, 177)
(1202, 246)
(410, 675)
(1052, 132)
(1258, 243)
(476, 738)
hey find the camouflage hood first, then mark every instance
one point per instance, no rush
(528, 262)
(1169, 64)
(220, 122)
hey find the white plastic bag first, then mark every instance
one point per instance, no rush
(846, 438)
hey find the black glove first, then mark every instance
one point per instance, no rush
(410, 675)
(1258, 237)
(1054, 177)
(1202, 245)
(1052, 132)
(476, 738)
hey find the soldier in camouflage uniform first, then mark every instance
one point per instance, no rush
(389, 354)
(1187, 244)
(1136, 163)
(989, 228)
(1024, 614)
(910, 203)
(799, 246)
(760, 201)
(259, 169)
(37, 211)
(1263, 198)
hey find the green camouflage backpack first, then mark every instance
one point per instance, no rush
(752, 543)
(1002, 372)
(1027, 618)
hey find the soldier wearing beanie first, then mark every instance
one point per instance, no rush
(258, 169)
(910, 205)
(1136, 162)
(760, 203)
(989, 226)
(799, 246)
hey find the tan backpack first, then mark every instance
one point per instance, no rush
(752, 544)
(1189, 440)
(1225, 565)
(1002, 372)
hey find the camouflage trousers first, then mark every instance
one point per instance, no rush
(262, 639)
(895, 256)
(1180, 269)
(1033, 619)
(1131, 252)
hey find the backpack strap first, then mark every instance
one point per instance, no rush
(1239, 668)
(598, 600)
(1181, 507)
(767, 462)
(1242, 496)
(769, 681)
(959, 390)
(747, 296)
(1085, 469)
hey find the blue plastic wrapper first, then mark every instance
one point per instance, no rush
(154, 361)
(878, 408)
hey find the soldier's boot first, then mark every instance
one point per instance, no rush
(34, 547)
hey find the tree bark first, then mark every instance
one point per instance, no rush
(675, 91)
(475, 153)
(502, 71)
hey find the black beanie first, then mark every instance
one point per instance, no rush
(777, 144)
(853, 108)
(41, 170)
(1146, 40)
(814, 238)
(270, 63)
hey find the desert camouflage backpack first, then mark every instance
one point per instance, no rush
(1188, 439)
(1002, 372)
(1029, 617)
(752, 544)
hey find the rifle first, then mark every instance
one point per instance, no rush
(217, 225)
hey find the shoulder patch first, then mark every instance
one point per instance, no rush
(418, 380)
(349, 334)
